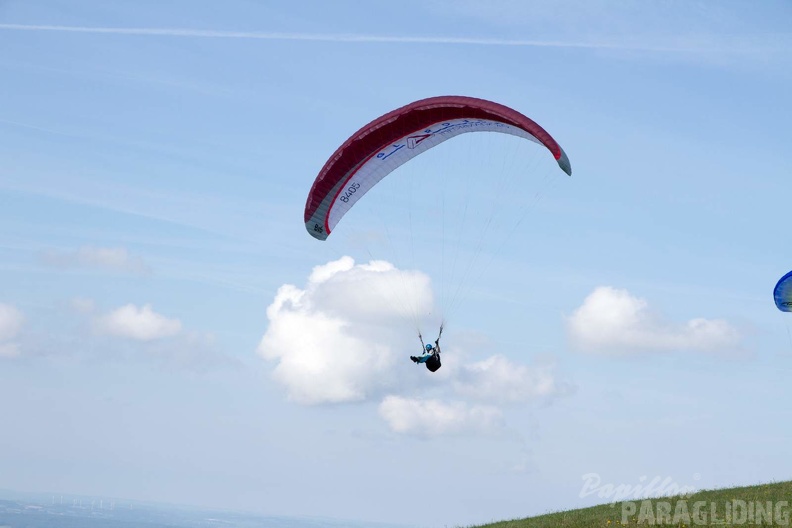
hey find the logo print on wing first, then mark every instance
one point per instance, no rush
(412, 141)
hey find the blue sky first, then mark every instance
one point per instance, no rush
(156, 157)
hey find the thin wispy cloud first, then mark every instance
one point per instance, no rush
(177, 209)
(138, 324)
(109, 259)
(37, 128)
(679, 44)
(499, 380)
(435, 418)
(127, 333)
(83, 305)
(11, 321)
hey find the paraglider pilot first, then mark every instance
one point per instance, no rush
(431, 354)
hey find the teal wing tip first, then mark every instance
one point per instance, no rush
(563, 162)
(315, 231)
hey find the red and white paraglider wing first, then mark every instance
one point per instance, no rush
(389, 141)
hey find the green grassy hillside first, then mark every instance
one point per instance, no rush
(764, 505)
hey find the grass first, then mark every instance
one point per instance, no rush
(763, 505)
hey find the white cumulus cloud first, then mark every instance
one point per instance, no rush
(347, 335)
(11, 321)
(140, 324)
(433, 417)
(111, 259)
(334, 340)
(611, 320)
(497, 379)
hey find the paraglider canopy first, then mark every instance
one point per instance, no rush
(782, 294)
(391, 140)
